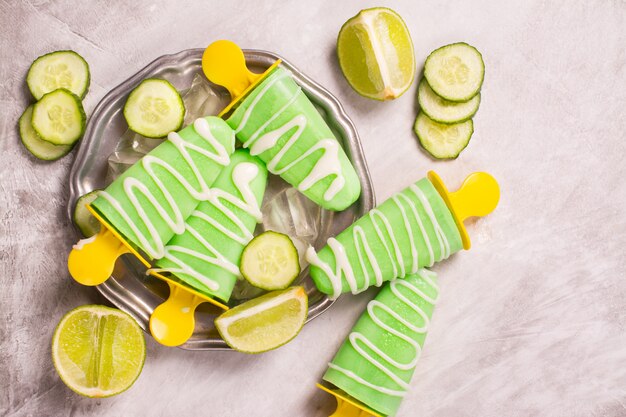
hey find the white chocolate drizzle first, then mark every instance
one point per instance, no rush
(261, 140)
(242, 175)
(358, 340)
(385, 233)
(134, 187)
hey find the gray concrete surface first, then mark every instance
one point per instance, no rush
(531, 322)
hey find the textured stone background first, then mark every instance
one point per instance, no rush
(531, 322)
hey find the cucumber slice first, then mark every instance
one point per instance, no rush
(443, 141)
(154, 108)
(37, 146)
(59, 117)
(84, 220)
(455, 72)
(270, 261)
(444, 111)
(60, 69)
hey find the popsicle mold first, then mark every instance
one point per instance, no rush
(375, 363)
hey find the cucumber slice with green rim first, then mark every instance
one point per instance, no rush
(59, 117)
(443, 141)
(37, 146)
(270, 261)
(60, 69)
(444, 111)
(154, 108)
(83, 218)
(455, 72)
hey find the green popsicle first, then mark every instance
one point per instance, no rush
(410, 230)
(277, 122)
(206, 256)
(377, 360)
(148, 204)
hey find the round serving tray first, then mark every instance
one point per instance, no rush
(129, 288)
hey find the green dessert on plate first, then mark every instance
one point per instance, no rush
(277, 122)
(206, 255)
(148, 204)
(412, 229)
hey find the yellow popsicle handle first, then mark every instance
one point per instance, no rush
(91, 261)
(346, 405)
(172, 323)
(224, 64)
(346, 409)
(478, 196)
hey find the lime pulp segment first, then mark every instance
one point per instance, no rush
(266, 322)
(98, 351)
(376, 55)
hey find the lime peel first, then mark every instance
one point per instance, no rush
(98, 351)
(385, 68)
(264, 323)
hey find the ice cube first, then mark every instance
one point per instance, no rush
(288, 211)
(120, 161)
(130, 149)
(244, 291)
(202, 99)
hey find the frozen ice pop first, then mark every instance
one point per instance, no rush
(415, 228)
(377, 360)
(410, 230)
(206, 255)
(277, 122)
(148, 204)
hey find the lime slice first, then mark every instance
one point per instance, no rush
(98, 351)
(376, 54)
(266, 322)
(270, 261)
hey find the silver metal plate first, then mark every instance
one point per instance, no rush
(129, 288)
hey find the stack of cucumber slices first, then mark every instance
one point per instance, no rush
(50, 127)
(449, 96)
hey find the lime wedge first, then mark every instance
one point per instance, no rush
(98, 351)
(266, 322)
(270, 261)
(376, 54)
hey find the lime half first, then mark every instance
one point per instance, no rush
(266, 322)
(98, 351)
(376, 55)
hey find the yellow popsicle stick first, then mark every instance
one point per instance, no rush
(348, 406)
(172, 322)
(478, 196)
(92, 261)
(188, 289)
(224, 64)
